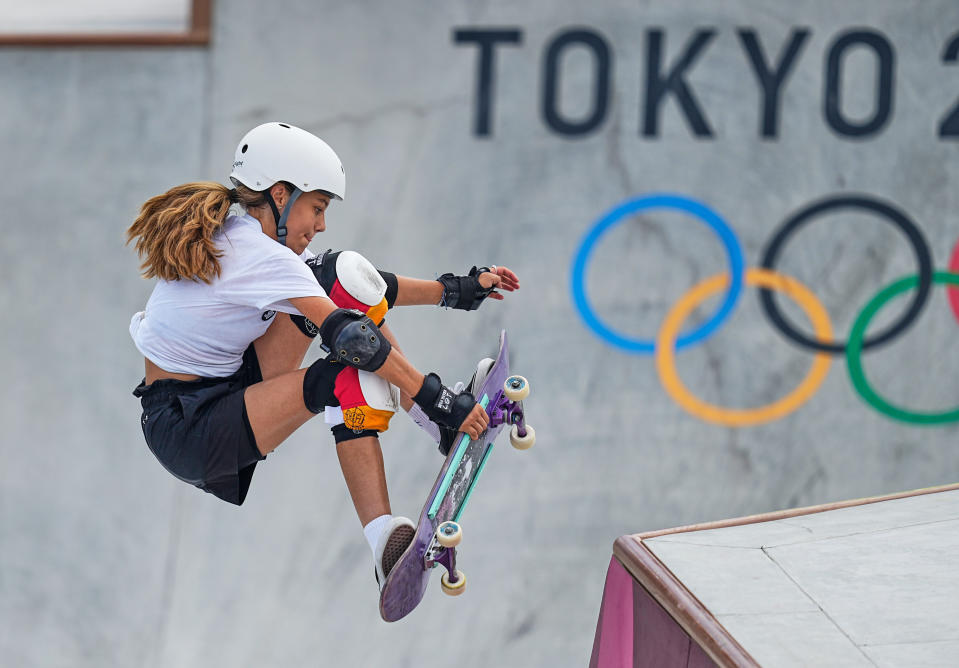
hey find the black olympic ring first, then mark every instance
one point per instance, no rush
(892, 215)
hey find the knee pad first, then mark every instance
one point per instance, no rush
(367, 401)
(354, 340)
(352, 282)
(341, 433)
(319, 384)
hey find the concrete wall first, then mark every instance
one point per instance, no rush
(106, 560)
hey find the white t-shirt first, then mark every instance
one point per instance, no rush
(193, 327)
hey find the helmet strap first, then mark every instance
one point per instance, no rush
(281, 218)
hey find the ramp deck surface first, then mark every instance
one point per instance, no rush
(870, 582)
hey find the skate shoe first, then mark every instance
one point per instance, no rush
(396, 537)
(479, 376)
(448, 434)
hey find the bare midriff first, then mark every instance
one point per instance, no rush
(153, 372)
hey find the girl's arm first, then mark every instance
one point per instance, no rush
(415, 291)
(406, 400)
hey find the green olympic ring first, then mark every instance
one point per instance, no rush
(854, 353)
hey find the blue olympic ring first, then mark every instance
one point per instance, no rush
(657, 201)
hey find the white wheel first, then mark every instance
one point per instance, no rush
(516, 388)
(456, 588)
(522, 442)
(449, 534)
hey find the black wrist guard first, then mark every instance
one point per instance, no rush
(464, 292)
(441, 405)
(354, 340)
(305, 325)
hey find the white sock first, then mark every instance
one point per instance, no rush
(374, 530)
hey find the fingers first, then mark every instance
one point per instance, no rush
(481, 416)
(500, 278)
(489, 280)
(475, 423)
(471, 430)
(509, 281)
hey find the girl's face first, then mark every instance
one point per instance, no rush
(305, 220)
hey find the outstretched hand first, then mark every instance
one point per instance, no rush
(499, 278)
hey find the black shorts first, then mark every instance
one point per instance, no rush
(200, 432)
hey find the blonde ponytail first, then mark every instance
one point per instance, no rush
(174, 232)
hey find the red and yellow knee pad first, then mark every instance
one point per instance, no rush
(367, 401)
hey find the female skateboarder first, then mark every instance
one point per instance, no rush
(232, 315)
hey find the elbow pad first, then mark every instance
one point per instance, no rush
(354, 339)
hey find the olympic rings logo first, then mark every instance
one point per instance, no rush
(669, 339)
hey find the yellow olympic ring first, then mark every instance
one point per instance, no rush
(666, 353)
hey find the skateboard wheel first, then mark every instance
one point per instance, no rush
(449, 534)
(522, 442)
(516, 388)
(454, 588)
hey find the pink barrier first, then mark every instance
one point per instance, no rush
(613, 645)
(634, 630)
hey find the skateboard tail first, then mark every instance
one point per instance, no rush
(407, 583)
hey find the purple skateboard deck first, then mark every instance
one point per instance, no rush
(407, 582)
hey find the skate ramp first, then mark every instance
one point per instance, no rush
(870, 582)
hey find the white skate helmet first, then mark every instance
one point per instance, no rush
(275, 152)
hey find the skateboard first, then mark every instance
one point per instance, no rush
(438, 531)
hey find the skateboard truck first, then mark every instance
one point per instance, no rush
(442, 550)
(507, 408)
(445, 556)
